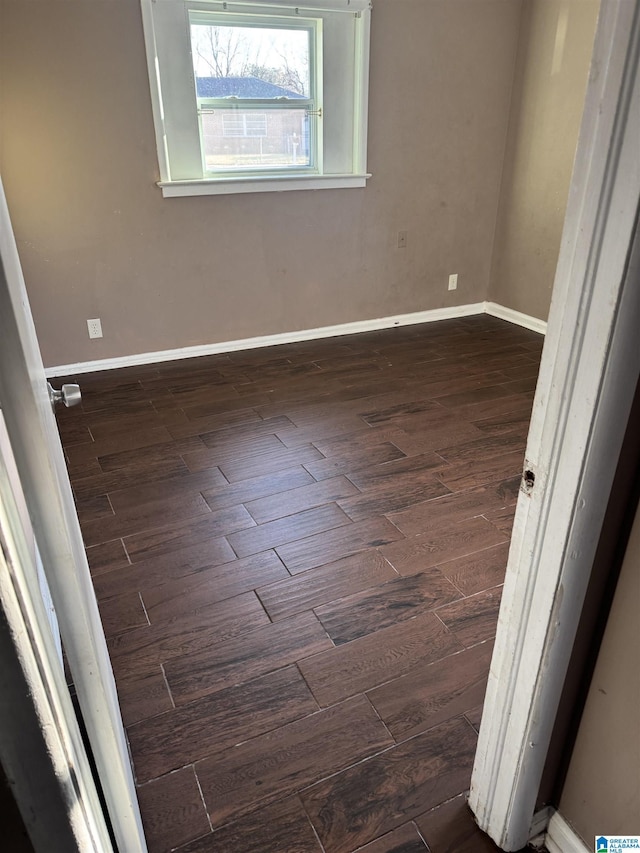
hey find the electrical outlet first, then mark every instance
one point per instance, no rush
(95, 328)
(453, 281)
(402, 239)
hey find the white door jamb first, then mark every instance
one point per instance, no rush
(43, 475)
(41, 748)
(590, 366)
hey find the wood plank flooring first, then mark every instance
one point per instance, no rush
(298, 555)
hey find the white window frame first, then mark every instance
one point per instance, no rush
(311, 105)
(342, 55)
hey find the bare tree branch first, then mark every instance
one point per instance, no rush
(227, 51)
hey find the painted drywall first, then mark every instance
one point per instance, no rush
(552, 68)
(97, 239)
(601, 795)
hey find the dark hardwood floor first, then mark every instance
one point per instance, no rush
(298, 555)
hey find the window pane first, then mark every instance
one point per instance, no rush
(244, 124)
(251, 139)
(250, 62)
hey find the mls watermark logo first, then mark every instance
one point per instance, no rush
(616, 843)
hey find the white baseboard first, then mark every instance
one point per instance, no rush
(517, 317)
(431, 316)
(561, 838)
(268, 340)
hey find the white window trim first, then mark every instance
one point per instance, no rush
(230, 184)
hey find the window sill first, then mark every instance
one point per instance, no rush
(230, 186)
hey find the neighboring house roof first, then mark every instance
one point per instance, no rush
(240, 87)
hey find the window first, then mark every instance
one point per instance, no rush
(256, 78)
(256, 95)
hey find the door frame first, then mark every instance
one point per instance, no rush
(41, 741)
(588, 375)
(39, 460)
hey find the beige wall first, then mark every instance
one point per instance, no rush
(97, 239)
(556, 40)
(601, 795)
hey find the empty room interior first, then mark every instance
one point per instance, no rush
(301, 438)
